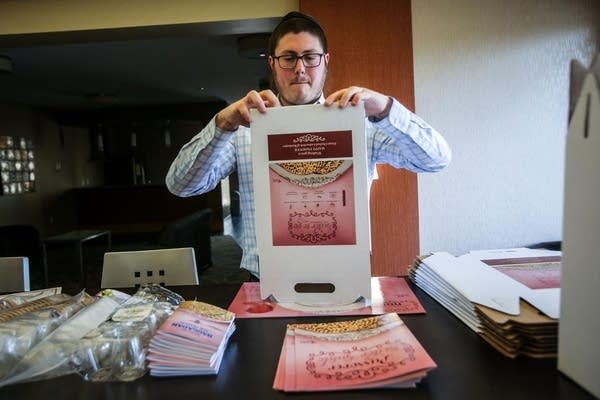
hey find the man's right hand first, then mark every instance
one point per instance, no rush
(238, 113)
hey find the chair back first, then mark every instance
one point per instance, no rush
(23, 241)
(14, 274)
(167, 267)
(190, 231)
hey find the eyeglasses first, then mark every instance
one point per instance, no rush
(289, 61)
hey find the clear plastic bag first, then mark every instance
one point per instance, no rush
(50, 357)
(116, 350)
(16, 299)
(20, 334)
(106, 341)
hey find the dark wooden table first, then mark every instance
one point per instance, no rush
(468, 368)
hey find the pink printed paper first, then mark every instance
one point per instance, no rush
(534, 272)
(311, 181)
(371, 352)
(389, 294)
(313, 216)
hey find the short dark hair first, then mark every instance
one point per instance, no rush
(296, 22)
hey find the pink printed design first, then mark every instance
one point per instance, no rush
(359, 363)
(534, 272)
(312, 227)
(354, 354)
(313, 216)
(311, 182)
(397, 296)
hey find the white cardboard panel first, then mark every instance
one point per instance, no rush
(291, 210)
(578, 350)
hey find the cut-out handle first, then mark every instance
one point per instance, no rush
(310, 287)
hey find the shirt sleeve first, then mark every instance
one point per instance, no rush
(202, 162)
(404, 140)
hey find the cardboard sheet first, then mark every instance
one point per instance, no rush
(390, 294)
(475, 277)
(312, 213)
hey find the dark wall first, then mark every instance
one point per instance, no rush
(68, 157)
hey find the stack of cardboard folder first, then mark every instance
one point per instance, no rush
(510, 297)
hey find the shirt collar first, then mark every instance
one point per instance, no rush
(320, 100)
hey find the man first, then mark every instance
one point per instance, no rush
(299, 58)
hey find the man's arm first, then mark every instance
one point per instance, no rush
(403, 140)
(399, 137)
(202, 162)
(210, 155)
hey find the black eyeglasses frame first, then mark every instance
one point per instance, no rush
(297, 57)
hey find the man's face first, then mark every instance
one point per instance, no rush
(299, 85)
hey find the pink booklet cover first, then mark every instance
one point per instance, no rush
(191, 341)
(388, 294)
(365, 353)
(189, 325)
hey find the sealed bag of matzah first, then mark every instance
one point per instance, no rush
(17, 299)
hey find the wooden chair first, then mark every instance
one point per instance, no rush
(167, 267)
(14, 274)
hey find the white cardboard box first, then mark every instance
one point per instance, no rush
(578, 350)
(312, 210)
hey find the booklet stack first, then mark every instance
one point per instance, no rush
(508, 296)
(191, 341)
(373, 352)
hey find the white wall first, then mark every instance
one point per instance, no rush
(493, 77)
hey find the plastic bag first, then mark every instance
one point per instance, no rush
(116, 350)
(20, 334)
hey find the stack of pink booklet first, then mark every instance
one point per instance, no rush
(373, 352)
(191, 341)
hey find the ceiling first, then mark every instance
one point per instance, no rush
(136, 67)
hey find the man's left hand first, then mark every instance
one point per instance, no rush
(376, 104)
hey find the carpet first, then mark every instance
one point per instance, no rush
(226, 256)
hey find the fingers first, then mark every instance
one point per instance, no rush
(351, 95)
(238, 113)
(269, 99)
(260, 100)
(375, 103)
